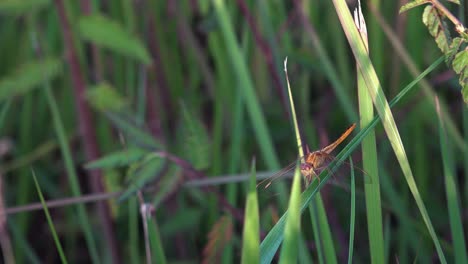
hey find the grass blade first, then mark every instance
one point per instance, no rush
(49, 220)
(352, 216)
(383, 109)
(289, 251)
(369, 158)
(453, 197)
(250, 237)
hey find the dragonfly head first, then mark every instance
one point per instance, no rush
(307, 170)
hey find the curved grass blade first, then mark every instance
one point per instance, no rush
(380, 102)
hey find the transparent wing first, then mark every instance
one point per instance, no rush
(268, 181)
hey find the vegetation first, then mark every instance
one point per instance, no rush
(141, 131)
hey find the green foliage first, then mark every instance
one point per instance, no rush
(104, 97)
(251, 231)
(434, 21)
(412, 4)
(109, 34)
(29, 76)
(140, 173)
(197, 147)
(119, 158)
(460, 66)
(19, 8)
(434, 17)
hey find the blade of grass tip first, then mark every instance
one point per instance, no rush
(383, 109)
(352, 217)
(289, 251)
(250, 237)
(49, 220)
(369, 157)
(456, 226)
(274, 238)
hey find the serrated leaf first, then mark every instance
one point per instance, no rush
(412, 5)
(197, 144)
(29, 76)
(132, 132)
(23, 7)
(166, 186)
(464, 92)
(437, 27)
(460, 62)
(104, 97)
(118, 158)
(142, 173)
(109, 34)
(454, 48)
(460, 66)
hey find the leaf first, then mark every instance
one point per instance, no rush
(118, 158)
(437, 27)
(197, 147)
(23, 7)
(412, 5)
(460, 66)
(219, 236)
(454, 48)
(166, 186)
(455, 1)
(109, 34)
(133, 133)
(104, 97)
(29, 76)
(141, 173)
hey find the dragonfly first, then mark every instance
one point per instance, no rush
(314, 162)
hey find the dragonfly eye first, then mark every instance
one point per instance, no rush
(306, 169)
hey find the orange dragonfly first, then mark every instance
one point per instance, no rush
(316, 161)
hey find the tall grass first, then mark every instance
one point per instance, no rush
(140, 110)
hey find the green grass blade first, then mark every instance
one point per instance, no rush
(245, 83)
(72, 176)
(49, 220)
(270, 244)
(383, 109)
(319, 215)
(155, 241)
(369, 161)
(453, 197)
(289, 251)
(250, 237)
(352, 216)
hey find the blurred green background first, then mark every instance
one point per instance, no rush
(165, 95)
